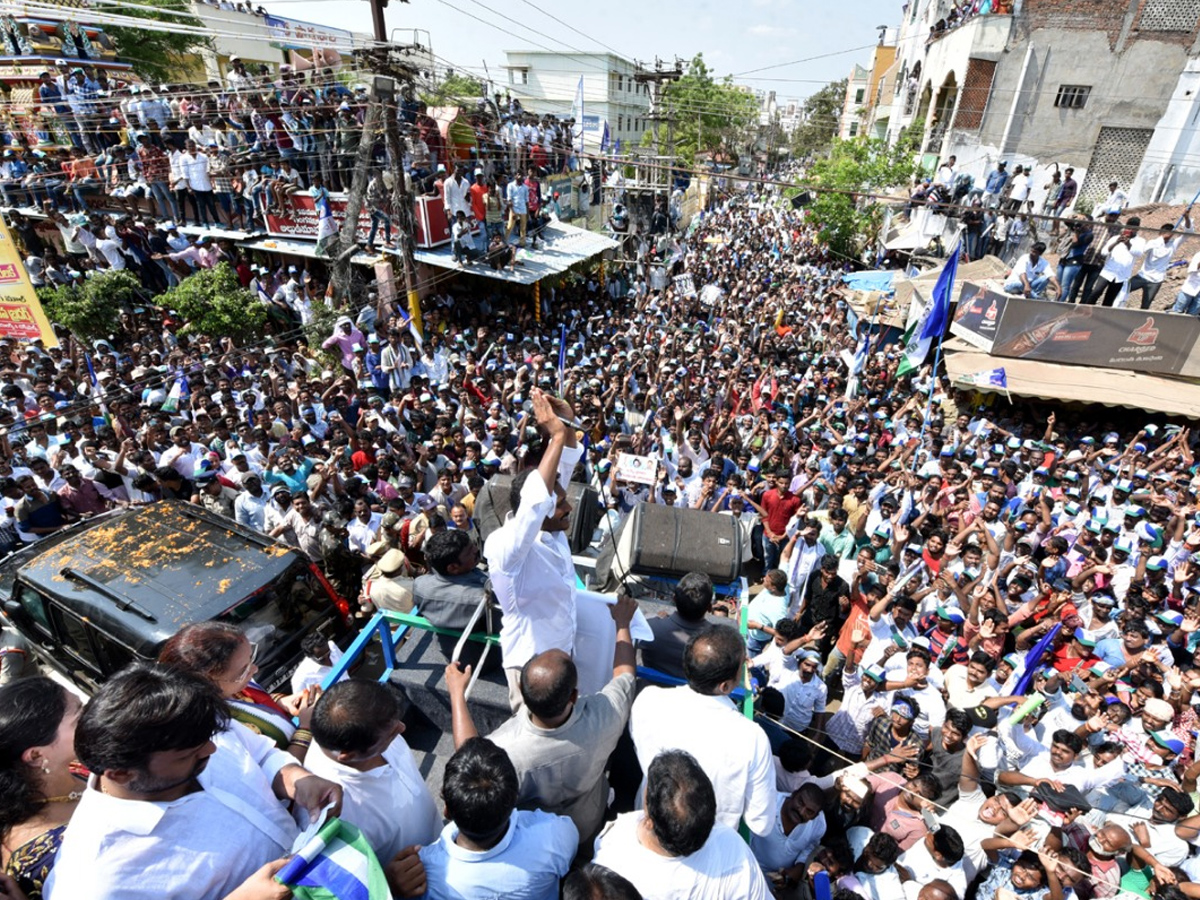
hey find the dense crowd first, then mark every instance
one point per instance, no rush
(226, 155)
(973, 649)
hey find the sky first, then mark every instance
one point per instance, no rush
(735, 37)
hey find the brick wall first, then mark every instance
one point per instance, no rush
(1166, 21)
(977, 85)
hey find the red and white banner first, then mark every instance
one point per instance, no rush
(299, 220)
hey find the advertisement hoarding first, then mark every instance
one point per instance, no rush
(1133, 339)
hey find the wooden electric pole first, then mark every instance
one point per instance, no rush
(382, 110)
(347, 243)
(402, 198)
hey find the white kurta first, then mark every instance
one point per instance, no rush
(391, 805)
(732, 750)
(533, 576)
(723, 869)
(199, 847)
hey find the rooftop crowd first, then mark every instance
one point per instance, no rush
(973, 647)
(225, 155)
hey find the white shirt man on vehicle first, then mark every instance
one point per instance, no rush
(167, 812)
(533, 575)
(678, 846)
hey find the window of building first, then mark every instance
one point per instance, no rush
(853, 129)
(518, 76)
(858, 96)
(1072, 96)
(620, 123)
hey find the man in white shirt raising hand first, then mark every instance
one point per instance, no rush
(533, 576)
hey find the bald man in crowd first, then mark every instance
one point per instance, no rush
(558, 741)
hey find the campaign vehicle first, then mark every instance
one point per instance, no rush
(100, 594)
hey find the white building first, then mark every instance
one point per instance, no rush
(791, 114)
(547, 82)
(856, 98)
(1111, 93)
(265, 39)
(1170, 169)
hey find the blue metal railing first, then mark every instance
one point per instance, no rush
(390, 627)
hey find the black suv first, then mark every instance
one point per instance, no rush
(94, 597)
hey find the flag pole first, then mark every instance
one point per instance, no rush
(937, 358)
(953, 257)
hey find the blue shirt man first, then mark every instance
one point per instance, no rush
(518, 197)
(996, 180)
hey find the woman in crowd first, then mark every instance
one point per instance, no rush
(219, 652)
(38, 784)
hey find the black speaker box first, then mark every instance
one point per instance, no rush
(668, 540)
(492, 507)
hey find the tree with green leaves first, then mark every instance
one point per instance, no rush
(710, 116)
(848, 216)
(454, 90)
(212, 302)
(91, 309)
(158, 52)
(821, 119)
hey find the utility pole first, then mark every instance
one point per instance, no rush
(377, 22)
(402, 199)
(656, 78)
(383, 103)
(347, 244)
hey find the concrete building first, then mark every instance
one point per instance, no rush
(261, 39)
(867, 108)
(547, 82)
(1170, 169)
(791, 114)
(1103, 86)
(857, 85)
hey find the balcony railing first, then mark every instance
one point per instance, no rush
(949, 26)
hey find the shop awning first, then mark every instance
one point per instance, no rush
(306, 249)
(562, 247)
(218, 234)
(1073, 384)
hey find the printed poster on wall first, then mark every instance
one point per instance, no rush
(1134, 339)
(21, 314)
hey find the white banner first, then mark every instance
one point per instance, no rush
(638, 469)
(684, 285)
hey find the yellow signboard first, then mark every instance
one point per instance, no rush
(21, 315)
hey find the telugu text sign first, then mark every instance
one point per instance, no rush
(21, 315)
(298, 218)
(291, 34)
